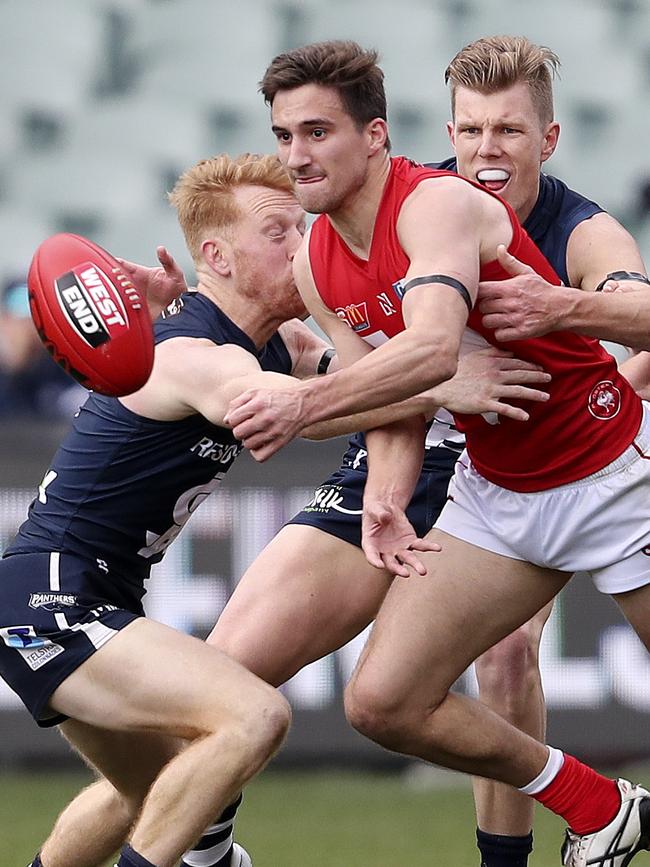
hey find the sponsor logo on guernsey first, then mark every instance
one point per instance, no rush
(173, 309)
(40, 656)
(329, 497)
(90, 303)
(604, 400)
(52, 601)
(359, 457)
(35, 650)
(219, 452)
(20, 636)
(387, 306)
(356, 315)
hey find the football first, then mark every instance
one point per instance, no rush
(90, 316)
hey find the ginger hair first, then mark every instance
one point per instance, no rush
(204, 195)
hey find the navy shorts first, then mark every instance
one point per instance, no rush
(337, 504)
(56, 610)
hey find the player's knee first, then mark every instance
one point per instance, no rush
(267, 722)
(277, 721)
(252, 735)
(365, 715)
(508, 672)
(371, 712)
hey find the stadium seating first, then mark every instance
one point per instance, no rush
(51, 54)
(22, 230)
(108, 100)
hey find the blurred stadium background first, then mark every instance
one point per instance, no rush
(103, 103)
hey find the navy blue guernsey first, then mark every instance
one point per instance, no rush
(557, 211)
(121, 486)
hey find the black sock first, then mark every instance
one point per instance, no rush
(37, 861)
(499, 850)
(130, 858)
(215, 846)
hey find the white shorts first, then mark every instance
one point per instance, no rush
(599, 524)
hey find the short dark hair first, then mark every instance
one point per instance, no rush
(340, 64)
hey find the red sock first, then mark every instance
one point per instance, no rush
(587, 801)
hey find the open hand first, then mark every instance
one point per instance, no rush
(487, 379)
(390, 542)
(525, 305)
(159, 285)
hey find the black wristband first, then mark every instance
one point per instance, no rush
(623, 275)
(325, 361)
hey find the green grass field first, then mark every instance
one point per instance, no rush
(306, 819)
(309, 819)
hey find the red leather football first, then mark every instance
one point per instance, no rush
(90, 316)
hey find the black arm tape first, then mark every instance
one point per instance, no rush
(440, 278)
(325, 361)
(623, 275)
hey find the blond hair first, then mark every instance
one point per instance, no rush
(497, 62)
(204, 195)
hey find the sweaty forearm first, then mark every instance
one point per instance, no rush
(421, 404)
(405, 366)
(395, 455)
(622, 317)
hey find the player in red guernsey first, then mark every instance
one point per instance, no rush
(329, 117)
(366, 294)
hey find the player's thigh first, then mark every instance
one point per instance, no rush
(130, 761)
(152, 677)
(306, 594)
(431, 627)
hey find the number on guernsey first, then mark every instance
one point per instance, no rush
(186, 504)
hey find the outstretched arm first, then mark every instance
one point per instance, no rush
(485, 382)
(193, 375)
